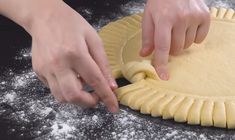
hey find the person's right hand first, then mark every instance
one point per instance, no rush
(169, 27)
(65, 46)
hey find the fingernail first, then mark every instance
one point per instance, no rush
(143, 51)
(113, 85)
(164, 76)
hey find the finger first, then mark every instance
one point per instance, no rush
(203, 6)
(203, 29)
(92, 75)
(97, 52)
(72, 89)
(43, 80)
(55, 88)
(147, 35)
(190, 36)
(178, 39)
(162, 41)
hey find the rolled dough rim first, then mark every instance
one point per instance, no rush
(210, 111)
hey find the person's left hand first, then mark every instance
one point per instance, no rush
(169, 26)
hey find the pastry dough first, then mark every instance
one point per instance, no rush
(201, 89)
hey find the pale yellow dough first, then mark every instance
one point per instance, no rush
(201, 89)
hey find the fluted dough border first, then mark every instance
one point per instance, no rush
(196, 110)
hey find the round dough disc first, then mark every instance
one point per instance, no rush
(201, 88)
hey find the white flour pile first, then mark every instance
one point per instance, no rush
(33, 113)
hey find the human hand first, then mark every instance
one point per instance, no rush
(169, 26)
(64, 46)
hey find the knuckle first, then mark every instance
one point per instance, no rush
(187, 14)
(181, 16)
(70, 51)
(54, 61)
(163, 48)
(96, 39)
(206, 16)
(164, 12)
(195, 16)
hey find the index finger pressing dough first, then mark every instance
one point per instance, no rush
(201, 89)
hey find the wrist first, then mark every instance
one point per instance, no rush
(27, 12)
(41, 12)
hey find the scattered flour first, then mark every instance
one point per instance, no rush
(202, 137)
(95, 118)
(171, 134)
(62, 129)
(221, 3)
(29, 105)
(133, 7)
(24, 54)
(46, 111)
(10, 96)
